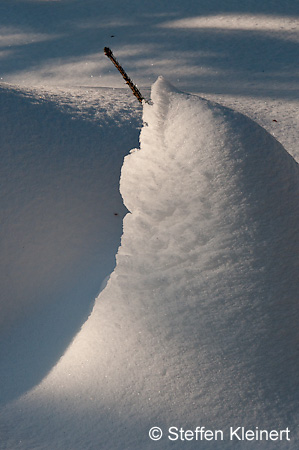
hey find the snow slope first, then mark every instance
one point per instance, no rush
(61, 220)
(198, 323)
(247, 48)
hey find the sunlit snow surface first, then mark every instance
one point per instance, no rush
(198, 323)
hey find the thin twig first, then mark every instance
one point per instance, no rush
(127, 79)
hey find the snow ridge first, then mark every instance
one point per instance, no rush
(214, 202)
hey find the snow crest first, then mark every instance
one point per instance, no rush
(212, 248)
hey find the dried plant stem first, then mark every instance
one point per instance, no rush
(127, 79)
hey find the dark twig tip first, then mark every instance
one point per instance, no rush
(107, 51)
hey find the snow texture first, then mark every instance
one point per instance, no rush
(197, 325)
(61, 221)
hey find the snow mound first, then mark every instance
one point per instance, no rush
(198, 323)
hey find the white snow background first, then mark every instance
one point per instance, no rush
(198, 324)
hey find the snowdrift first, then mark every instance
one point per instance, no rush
(198, 323)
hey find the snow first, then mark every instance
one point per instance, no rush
(196, 324)
(200, 312)
(61, 221)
